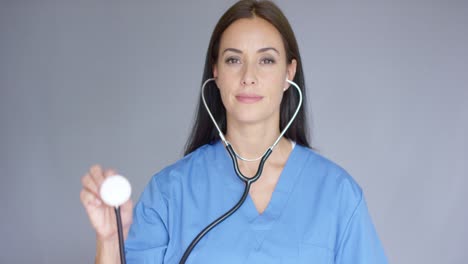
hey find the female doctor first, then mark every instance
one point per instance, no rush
(303, 208)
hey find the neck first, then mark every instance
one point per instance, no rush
(252, 144)
(251, 141)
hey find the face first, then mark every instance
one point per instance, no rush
(251, 71)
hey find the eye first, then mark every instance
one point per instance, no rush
(232, 60)
(267, 61)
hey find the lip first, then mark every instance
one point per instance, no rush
(248, 98)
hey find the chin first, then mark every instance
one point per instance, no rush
(250, 117)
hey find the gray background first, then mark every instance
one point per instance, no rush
(115, 83)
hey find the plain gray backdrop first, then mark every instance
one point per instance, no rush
(116, 83)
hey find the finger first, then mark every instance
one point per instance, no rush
(97, 175)
(88, 198)
(88, 183)
(109, 172)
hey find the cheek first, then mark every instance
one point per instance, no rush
(224, 92)
(279, 98)
(273, 75)
(225, 80)
(227, 83)
(276, 84)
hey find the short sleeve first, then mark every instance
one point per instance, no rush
(148, 236)
(359, 243)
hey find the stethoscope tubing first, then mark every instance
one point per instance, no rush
(221, 135)
(120, 234)
(248, 181)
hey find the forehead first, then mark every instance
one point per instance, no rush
(253, 33)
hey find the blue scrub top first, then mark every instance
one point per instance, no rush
(317, 214)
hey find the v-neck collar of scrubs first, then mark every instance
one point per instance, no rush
(279, 198)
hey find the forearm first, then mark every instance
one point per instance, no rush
(107, 252)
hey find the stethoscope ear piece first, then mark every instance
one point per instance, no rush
(286, 88)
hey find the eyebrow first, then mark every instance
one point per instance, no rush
(258, 51)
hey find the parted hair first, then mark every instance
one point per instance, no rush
(203, 131)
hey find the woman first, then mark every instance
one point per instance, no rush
(303, 209)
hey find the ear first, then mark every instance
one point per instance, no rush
(215, 71)
(290, 72)
(215, 74)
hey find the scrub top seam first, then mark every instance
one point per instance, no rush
(348, 223)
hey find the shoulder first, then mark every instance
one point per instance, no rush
(186, 168)
(328, 190)
(330, 176)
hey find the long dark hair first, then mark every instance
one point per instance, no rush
(204, 131)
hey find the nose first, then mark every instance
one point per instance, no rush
(248, 82)
(249, 76)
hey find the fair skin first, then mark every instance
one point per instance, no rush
(102, 217)
(250, 72)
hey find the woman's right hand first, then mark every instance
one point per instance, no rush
(102, 216)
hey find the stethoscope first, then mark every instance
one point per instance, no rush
(116, 189)
(234, 156)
